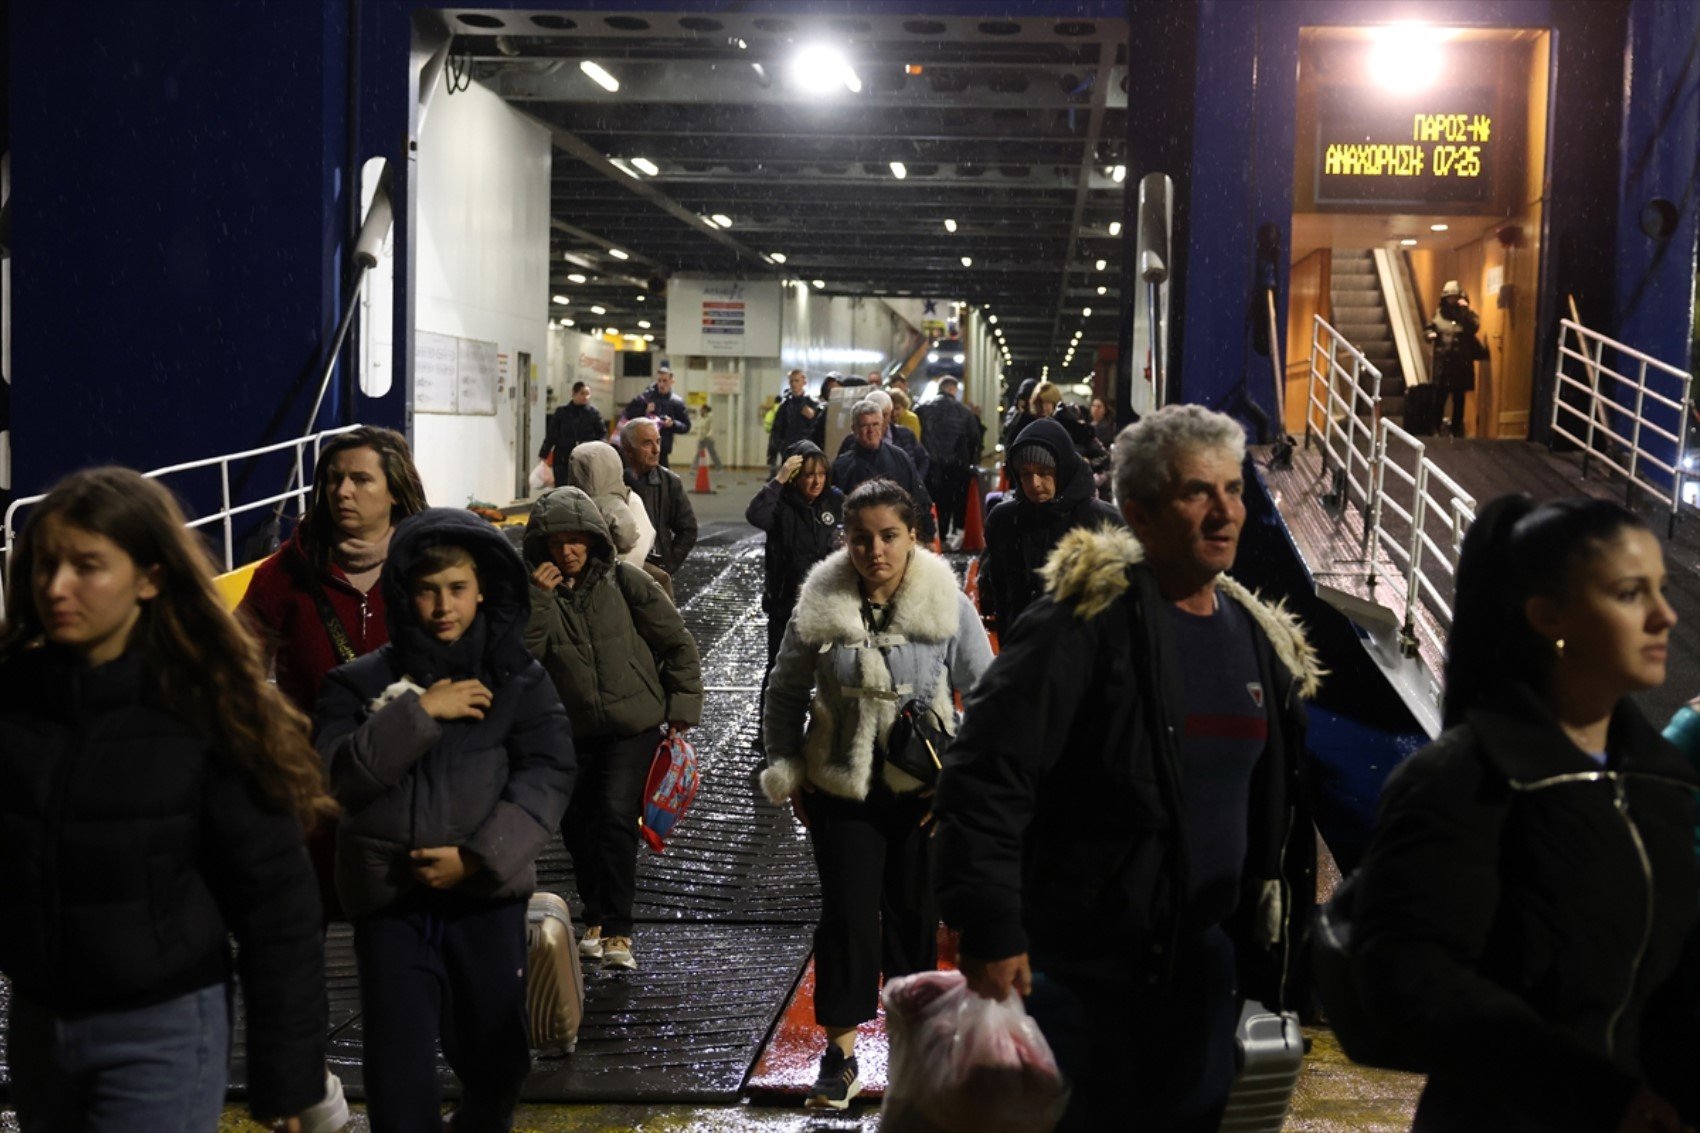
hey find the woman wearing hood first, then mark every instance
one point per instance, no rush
(800, 510)
(1052, 491)
(624, 665)
(451, 756)
(878, 624)
(595, 468)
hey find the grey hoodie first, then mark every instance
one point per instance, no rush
(596, 469)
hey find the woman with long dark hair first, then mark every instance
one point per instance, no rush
(800, 511)
(1524, 906)
(878, 624)
(154, 789)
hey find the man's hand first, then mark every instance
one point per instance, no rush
(808, 413)
(993, 979)
(456, 700)
(443, 867)
(547, 577)
(789, 469)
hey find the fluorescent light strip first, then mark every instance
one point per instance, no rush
(600, 76)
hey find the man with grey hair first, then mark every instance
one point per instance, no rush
(1121, 827)
(893, 434)
(871, 457)
(662, 494)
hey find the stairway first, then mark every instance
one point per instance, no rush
(1360, 314)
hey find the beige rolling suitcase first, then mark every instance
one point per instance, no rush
(554, 982)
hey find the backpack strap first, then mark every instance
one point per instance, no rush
(302, 573)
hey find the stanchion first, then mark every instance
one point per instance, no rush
(938, 545)
(702, 487)
(973, 530)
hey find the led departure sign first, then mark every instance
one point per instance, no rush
(1369, 153)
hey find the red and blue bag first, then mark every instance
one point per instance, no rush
(671, 786)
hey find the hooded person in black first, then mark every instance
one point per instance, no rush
(453, 759)
(1052, 492)
(800, 510)
(1020, 414)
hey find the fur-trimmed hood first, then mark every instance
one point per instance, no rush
(829, 607)
(1089, 571)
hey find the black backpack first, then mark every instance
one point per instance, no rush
(1366, 1039)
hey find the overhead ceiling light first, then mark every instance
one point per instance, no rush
(649, 338)
(599, 310)
(566, 322)
(576, 277)
(933, 357)
(601, 77)
(776, 257)
(949, 224)
(959, 358)
(646, 165)
(819, 284)
(1405, 57)
(623, 168)
(642, 298)
(899, 170)
(1118, 174)
(820, 69)
(993, 319)
(561, 299)
(1101, 264)
(967, 261)
(722, 220)
(643, 324)
(1086, 312)
(1115, 228)
(619, 255)
(1438, 227)
(615, 331)
(1408, 242)
(595, 332)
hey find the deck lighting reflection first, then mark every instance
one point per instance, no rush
(1115, 228)
(949, 224)
(1405, 57)
(967, 261)
(599, 76)
(899, 170)
(646, 165)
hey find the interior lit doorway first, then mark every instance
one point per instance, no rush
(1421, 158)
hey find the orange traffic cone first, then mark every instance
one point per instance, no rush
(702, 487)
(938, 547)
(973, 531)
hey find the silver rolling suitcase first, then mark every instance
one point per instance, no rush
(554, 981)
(1272, 1048)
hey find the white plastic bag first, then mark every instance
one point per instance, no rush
(542, 477)
(961, 1063)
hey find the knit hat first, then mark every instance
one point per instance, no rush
(1032, 454)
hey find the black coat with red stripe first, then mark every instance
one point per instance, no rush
(1061, 817)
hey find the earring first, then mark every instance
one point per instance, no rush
(1558, 647)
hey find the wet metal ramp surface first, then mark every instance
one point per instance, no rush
(724, 917)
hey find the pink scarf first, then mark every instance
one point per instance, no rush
(361, 561)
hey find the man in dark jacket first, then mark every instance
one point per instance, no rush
(1020, 414)
(894, 434)
(571, 424)
(1120, 820)
(1456, 348)
(952, 435)
(874, 458)
(667, 410)
(793, 420)
(1051, 493)
(662, 494)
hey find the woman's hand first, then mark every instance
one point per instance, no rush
(443, 867)
(456, 700)
(798, 811)
(788, 470)
(1647, 1112)
(547, 577)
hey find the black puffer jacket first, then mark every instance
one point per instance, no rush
(1520, 915)
(569, 426)
(791, 426)
(904, 438)
(653, 403)
(1457, 349)
(951, 431)
(799, 534)
(855, 465)
(1061, 823)
(133, 851)
(497, 786)
(1021, 534)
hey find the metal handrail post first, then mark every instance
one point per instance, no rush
(1593, 398)
(1635, 434)
(1414, 565)
(229, 527)
(1378, 485)
(1681, 457)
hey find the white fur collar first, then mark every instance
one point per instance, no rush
(829, 608)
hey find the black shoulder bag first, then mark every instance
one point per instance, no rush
(917, 742)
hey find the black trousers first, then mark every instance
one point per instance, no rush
(601, 825)
(877, 913)
(948, 484)
(449, 968)
(1143, 1057)
(1457, 396)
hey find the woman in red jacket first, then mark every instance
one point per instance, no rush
(316, 603)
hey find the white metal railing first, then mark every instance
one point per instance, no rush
(303, 484)
(1633, 421)
(1430, 514)
(1344, 389)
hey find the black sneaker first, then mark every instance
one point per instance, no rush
(839, 1081)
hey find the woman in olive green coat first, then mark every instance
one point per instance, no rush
(624, 664)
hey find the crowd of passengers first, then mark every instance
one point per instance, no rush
(1121, 832)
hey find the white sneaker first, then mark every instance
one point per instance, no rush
(590, 944)
(617, 953)
(330, 1114)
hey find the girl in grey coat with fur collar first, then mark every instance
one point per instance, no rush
(877, 624)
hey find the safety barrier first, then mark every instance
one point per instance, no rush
(1655, 401)
(1344, 389)
(228, 511)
